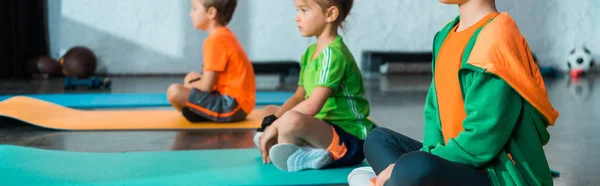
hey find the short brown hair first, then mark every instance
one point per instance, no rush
(344, 6)
(225, 9)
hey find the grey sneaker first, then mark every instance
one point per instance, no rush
(293, 158)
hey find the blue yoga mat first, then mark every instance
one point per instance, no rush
(104, 100)
(31, 166)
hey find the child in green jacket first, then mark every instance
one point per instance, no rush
(486, 111)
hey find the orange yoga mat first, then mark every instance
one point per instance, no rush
(53, 116)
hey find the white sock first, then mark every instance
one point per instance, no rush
(292, 158)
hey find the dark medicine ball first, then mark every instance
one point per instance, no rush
(43, 65)
(79, 62)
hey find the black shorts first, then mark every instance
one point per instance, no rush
(354, 146)
(215, 106)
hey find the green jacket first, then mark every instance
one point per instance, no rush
(506, 105)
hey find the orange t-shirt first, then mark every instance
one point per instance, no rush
(450, 102)
(224, 54)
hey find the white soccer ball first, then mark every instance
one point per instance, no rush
(579, 61)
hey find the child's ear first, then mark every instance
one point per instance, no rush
(332, 14)
(212, 12)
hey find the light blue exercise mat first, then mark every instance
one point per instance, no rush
(32, 166)
(117, 100)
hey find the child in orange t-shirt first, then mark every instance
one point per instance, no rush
(225, 92)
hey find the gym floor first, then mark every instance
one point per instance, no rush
(396, 102)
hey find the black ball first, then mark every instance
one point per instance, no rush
(79, 62)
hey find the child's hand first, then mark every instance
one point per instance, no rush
(191, 78)
(384, 176)
(266, 141)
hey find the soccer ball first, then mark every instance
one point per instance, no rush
(579, 62)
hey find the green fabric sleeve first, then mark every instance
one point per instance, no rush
(492, 108)
(332, 69)
(433, 133)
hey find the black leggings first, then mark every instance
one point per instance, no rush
(413, 167)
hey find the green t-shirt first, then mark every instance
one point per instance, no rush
(336, 68)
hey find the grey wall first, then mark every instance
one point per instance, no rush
(156, 36)
(554, 27)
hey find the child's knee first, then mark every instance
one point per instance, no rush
(173, 91)
(375, 142)
(415, 168)
(292, 122)
(376, 137)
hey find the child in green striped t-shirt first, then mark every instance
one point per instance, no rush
(325, 122)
